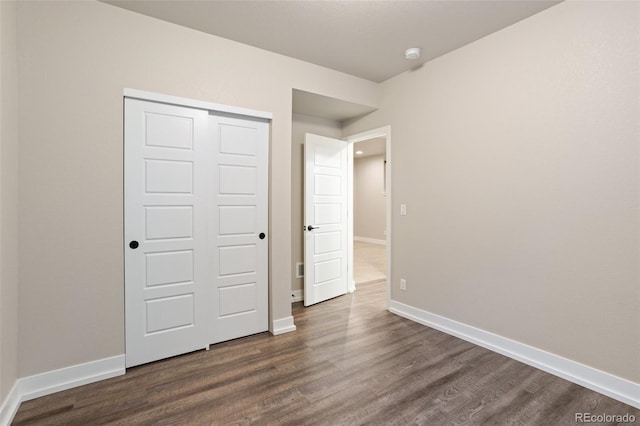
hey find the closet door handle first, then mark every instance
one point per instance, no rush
(261, 236)
(134, 244)
(311, 228)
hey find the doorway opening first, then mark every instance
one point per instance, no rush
(313, 225)
(369, 211)
(370, 202)
(329, 239)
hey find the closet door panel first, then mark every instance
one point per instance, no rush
(240, 289)
(166, 232)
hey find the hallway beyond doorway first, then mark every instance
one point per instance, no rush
(369, 262)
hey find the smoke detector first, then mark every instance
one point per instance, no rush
(412, 53)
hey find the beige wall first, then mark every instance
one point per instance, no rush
(369, 202)
(8, 200)
(517, 157)
(75, 58)
(303, 124)
(525, 145)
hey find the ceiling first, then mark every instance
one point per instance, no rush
(362, 38)
(375, 146)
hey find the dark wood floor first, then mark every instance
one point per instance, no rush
(350, 362)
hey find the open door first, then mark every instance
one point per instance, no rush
(325, 218)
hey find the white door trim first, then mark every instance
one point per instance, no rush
(380, 132)
(193, 103)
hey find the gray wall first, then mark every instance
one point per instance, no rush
(303, 124)
(8, 199)
(517, 156)
(369, 203)
(75, 59)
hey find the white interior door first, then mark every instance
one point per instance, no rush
(240, 227)
(166, 266)
(325, 218)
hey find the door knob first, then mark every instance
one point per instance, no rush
(311, 228)
(133, 244)
(261, 236)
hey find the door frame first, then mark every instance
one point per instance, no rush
(380, 132)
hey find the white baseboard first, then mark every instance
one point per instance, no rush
(10, 406)
(31, 387)
(607, 384)
(283, 325)
(297, 296)
(370, 240)
(65, 378)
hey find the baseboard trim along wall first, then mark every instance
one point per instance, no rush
(38, 385)
(296, 296)
(283, 325)
(10, 406)
(370, 240)
(589, 377)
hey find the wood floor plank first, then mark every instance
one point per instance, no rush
(350, 362)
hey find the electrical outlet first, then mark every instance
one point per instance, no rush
(403, 284)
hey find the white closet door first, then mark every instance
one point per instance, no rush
(166, 265)
(240, 227)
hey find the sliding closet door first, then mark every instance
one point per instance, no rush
(240, 232)
(166, 233)
(196, 229)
